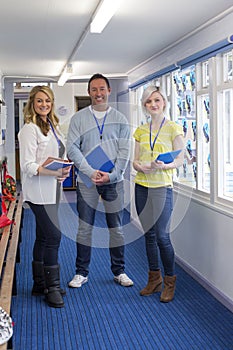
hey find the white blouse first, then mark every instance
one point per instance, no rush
(34, 149)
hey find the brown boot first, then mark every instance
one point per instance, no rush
(169, 289)
(154, 283)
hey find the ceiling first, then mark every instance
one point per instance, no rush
(38, 38)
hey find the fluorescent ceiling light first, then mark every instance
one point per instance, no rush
(67, 72)
(103, 15)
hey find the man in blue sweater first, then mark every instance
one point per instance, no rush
(92, 130)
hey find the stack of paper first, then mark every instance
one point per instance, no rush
(52, 163)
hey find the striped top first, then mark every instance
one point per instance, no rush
(164, 143)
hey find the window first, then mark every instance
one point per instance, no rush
(205, 74)
(203, 144)
(227, 66)
(184, 113)
(138, 118)
(201, 100)
(225, 143)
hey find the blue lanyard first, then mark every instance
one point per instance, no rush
(58, 140)
(101, 129)
(152, 145)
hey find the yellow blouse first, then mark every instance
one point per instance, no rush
(164, 143)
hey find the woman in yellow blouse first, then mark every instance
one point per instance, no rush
(153, 189)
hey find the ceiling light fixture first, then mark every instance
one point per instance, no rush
(66, 73)
(103, 14)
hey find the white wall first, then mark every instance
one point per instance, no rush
(203, 240)
(203, 243)
(64, 104)
(9, 146)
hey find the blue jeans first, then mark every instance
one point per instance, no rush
(87, 200)
(154, 207)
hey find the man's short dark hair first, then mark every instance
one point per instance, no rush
(98, 76)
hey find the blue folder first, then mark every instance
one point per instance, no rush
(168, 157)
(98, 160)
(56, 163)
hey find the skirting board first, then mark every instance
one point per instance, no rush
(223, 299)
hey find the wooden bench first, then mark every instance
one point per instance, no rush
(10, 237)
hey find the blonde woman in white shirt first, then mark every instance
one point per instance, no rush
(39, 139)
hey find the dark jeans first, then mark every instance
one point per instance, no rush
(87, 200)
(48, 234)
(154, 207)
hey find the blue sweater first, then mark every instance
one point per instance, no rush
(84, 136)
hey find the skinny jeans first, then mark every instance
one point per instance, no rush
(48, 234)
(154, 207)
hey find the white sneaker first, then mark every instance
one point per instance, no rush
(123, 280)
(77, 281)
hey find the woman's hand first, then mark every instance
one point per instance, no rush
(142, 167)
(158, 165)
(63, 173)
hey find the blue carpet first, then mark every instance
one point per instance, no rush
(103, 315)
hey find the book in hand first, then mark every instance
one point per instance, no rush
(52, 163)
(98, 160)
(168, 157)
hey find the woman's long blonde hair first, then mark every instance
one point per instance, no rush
(30, 116)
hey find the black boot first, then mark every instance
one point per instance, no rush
(53, 296)
(39, 287)
(38, 278)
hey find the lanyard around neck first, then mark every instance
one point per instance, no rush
(58, 140)
(100, 128)
(152, 144)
